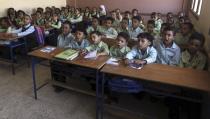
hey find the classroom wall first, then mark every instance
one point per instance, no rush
(28, 5)
(203, 23)
(144, 6)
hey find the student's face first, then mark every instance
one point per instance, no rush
(20, 15)
(108, 23)
(27, 20)
(124, 24)
(127, 16)
(113, 15)
(135, 13)
(168, 37)
(154, 17)
(135, 23)
(66, 29)
(55, 17)
(194, 45)
(79, 35)
(150, 28)
(95, 22)
(38, 15)
(95, 38)
(77, 12)
(143, 43)
(185, 29)
(121, 42)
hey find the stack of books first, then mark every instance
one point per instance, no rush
(69, 54)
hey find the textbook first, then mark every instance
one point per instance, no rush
(69, 54)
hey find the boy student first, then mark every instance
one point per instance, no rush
(120, 49)
(182, 38)
(154, 16)
(192, 57)
(124, 26)
(95, 25)
(135, 29)
(168, 51)
(65, 37)
(80, 42)
(151, 29)
(98, 44)
(116, 22)
(77, 17)
(144, 52)
(108, 30)
(127, 15)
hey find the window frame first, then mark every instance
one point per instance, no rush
(196, 8)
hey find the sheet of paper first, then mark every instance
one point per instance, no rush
(91, 55)
(47, 49)
(113, 61)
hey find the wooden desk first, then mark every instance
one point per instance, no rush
(8, 37)
(164, 74)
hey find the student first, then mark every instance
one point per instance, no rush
(116, 22)
(95, 26)
(135, 29)
(127, 15)
(135, 13)
(144, 52)
(154, 16)
(77, 17)
(79, 43)
(102, 11)
(4, 24)
(98, 45)
(192, 57)
(108, 30)
(182, 38)
(28, 32)
(39, 20)
(11, 14)
(168, 51)
(120, 49)
(118, 14)
(65, 37)
(94, 12)
(56, 23)
(124, 26)
(151, 29)
(20, 18)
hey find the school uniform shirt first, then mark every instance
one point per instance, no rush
(119, 29)
(197, 62)
(100, 47)
(76, 19)
(40, 22)
(91, 29)
(24, 31)
(56, 24)
(115, 51)
(109, 32)
(64, 41)
(182, 40)
(158, 24)
(75, 45)
(134, 33)
(150, 54)
(169, 55)
(116, 23)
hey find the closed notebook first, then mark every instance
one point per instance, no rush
(69, 54)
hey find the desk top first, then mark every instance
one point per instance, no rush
(8, 37)
(183, 77)
(80, 61)
(44, 55)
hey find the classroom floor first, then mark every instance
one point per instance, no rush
(17, 101)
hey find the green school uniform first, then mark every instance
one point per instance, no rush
(115, 51)
(182, 40)
(196, 62)
(100, 47)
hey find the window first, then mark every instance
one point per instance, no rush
(196, 6)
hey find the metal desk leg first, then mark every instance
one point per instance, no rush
(12, 58)
(97, 96)
(33, 77)
(102, 95)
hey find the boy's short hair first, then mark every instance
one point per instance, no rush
(151, 22)
(96, 32)
(127, 12)
(153, 13)
(95, 17)
(198, 36)
(168, 28)
(190, 25)
(137, 18)
(68, 23)
(147, 36)
(126, 19)
(109, 18)
(80, 27)
(124, 35)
